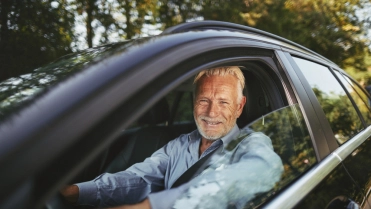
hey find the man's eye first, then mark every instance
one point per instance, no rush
(202, 101)
(224, 102)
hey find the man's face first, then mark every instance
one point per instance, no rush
(216, 107)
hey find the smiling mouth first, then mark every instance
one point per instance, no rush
(212, 122)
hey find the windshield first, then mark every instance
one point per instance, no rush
(267, 155)
(17, 92)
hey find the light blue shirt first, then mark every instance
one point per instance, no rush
(153, 178)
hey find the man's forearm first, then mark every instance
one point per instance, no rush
(70, 193)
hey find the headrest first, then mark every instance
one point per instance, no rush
(159, 113)
(257, 104)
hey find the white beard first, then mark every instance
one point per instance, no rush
(206, 136)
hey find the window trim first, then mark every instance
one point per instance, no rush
(354, 82)
(324, 141)
(350, 97)
(302, 187)
(318, 106)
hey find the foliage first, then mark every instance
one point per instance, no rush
(120, 18)
(291, 141)
(32, 33)
(330, 28)
(137, 13)
(173, 12)
(18, 92)
(224, 10)
(32, 29)
(364, 77)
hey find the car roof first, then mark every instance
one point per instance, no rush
(249, 32)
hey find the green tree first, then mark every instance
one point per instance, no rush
(137, 13)
(330, 28)
(90, 8)
(173, 12)
(32, 33)
(119, 18)
(224, 10)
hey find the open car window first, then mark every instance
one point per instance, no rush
(268, 154)
(172, 116)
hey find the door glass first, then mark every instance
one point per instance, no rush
(359, 97)
(19, 92)
(268, 154)
(335, 103)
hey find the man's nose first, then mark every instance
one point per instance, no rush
(213, 109)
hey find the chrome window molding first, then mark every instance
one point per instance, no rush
(297, 191)
(351, 145)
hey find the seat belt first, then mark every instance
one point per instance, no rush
(195, 169)
(200, 165)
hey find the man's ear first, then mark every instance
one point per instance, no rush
(240, 106)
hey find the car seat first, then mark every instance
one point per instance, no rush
(257, 103)
(153, 134)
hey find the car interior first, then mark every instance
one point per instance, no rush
(172, 116)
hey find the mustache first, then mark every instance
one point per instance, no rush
(212, 120)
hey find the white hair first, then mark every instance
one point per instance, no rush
(222, 71)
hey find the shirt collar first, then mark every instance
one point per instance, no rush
(233, 134)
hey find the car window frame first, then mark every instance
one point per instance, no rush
(323, 140)
(220, 61)
(235, 59)
(354, 82)
(330, 71)
(299, 189)
(350, 97)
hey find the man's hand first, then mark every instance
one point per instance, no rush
(142, 205)
(70, 193)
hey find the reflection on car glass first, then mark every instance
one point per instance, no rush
(266, 156)
(19, 91)
(333, 99)
(359, 97)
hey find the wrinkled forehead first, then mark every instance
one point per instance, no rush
(217, 84)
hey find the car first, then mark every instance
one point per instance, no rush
(106, 108)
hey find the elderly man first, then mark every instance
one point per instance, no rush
(234, 175)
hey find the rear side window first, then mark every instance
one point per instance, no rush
(337, 106)
(359, 97)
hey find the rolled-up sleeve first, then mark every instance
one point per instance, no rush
(87, 193)
(126, 187)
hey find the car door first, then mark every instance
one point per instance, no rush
(332, 187)
(54, 138)
(271, 108)
(73, 123)
(360, 156)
